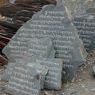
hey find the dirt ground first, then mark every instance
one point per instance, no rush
(82, 84)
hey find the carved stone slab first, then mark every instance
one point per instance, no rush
(86, 26)
(35, 47)
(26, 79)
(53, 78)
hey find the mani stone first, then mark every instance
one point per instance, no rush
(15, 49)
(53, 79)
(86, 25)
(53, 22)
(10, 67)
(26, 79)
(35, 47)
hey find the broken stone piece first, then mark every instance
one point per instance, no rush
(41, 47)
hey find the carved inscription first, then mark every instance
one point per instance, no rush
(86, 27)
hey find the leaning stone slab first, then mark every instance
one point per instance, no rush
(85, 24)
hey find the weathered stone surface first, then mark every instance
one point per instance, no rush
(86, 26)
(53, 78)
(26, 79)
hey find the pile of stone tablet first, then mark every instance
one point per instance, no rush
(52, 22)
(19, 72)
(49, 41)
(13, 15)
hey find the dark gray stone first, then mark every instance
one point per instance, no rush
(86, 26)
(26, 79)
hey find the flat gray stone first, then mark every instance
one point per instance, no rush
(26, 79)
(85, 23)
(10, 67)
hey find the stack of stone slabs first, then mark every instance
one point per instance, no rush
(53, 22)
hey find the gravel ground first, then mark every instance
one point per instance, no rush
(82, 84)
